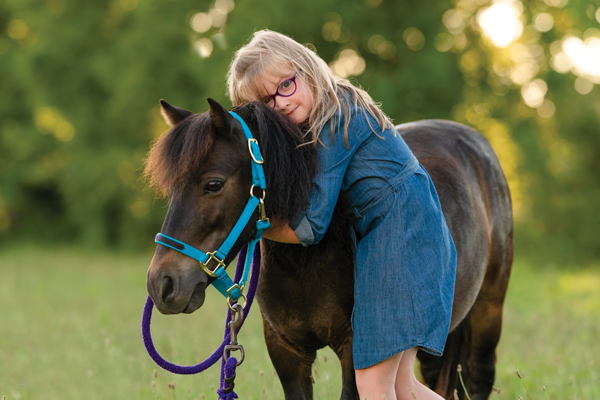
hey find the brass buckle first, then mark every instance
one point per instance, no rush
(212, 256)
(250, 141)
(235, 286)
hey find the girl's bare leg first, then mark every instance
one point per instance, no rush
(379, 380)
(407, 386)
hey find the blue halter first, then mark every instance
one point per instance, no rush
(223, 283)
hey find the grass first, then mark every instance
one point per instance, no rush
(550, 334)
(70, 329)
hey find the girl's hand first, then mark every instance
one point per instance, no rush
(281, 232)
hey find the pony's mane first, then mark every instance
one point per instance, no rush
(290, 164)
(177, 156)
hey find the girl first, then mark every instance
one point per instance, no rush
(405, 256)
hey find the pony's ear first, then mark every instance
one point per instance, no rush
(219, 118)
(173, 115)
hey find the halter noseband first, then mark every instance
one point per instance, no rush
(223, 283)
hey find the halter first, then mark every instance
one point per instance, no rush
(231, 290)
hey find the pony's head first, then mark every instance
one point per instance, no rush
(203, 165)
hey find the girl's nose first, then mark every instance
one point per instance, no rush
(282, 103)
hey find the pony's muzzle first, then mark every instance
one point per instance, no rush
(166, 289)
(176, 285)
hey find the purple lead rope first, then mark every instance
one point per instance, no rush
(227, 370)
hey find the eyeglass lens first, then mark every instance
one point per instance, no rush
(286, 89)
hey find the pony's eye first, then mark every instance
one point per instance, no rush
(214, 186)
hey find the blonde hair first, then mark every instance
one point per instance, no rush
(267, 50)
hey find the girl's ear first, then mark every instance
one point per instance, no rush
(220, 119)
(173, 115)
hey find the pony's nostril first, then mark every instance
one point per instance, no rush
(167, 289)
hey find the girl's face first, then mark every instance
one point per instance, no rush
(296, 106)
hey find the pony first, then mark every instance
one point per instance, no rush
(306, 294)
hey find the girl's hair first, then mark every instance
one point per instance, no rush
(267, 50)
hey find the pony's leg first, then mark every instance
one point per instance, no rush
(472, 344)
(343, 349)
(292, 364)
(486, 323)
(431, 367)
(440, 373)
(486, 320)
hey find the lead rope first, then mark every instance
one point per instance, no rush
(225, 391)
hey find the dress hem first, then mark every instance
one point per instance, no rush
(421, 346)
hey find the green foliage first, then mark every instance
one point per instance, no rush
(80, 83)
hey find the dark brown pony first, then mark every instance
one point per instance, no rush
(306, 294)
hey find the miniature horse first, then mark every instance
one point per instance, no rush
(306, 294)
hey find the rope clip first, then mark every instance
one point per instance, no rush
(237, 318)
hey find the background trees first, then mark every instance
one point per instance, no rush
(80, 83)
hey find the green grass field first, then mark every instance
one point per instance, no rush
(70, 329)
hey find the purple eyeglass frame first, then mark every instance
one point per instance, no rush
(293, 80)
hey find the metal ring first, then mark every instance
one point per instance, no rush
(252, 192)
(231, 306)
(230, 348)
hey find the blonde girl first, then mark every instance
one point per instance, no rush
(405, 257)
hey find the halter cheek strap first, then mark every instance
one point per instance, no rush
(224, 283)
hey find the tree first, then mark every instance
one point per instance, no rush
(80, 83)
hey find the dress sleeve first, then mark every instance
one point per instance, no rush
(334, 157)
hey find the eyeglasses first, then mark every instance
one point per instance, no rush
(285, 89)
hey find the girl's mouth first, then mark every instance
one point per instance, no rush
(291, 112)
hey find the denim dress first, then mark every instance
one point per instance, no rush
(405, 257)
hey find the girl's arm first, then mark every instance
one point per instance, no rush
(282, 233)
(334, 158)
